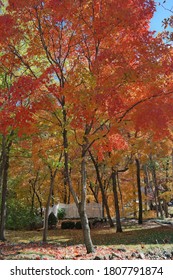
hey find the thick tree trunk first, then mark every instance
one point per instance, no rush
(104, 198)
(86, 230)
(154, 195)
(121, 195)
(116, 201)
(82, 205)
(140, 219)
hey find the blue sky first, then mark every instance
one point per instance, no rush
(160, 14)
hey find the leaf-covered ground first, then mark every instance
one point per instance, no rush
(149, 241)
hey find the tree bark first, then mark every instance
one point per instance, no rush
(104, 198)
(1, 162)
(146, 180)
(3, 199)
(157, 198)
(4, 181)
(46, 215)
(65, 191)
(165, 207)
(95, 193)
(82, 207)
(172, 166)
(140, 218)
(116, 201)
(121, 195)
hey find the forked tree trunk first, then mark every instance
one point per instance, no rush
(82, 205)
(94, 192)
(104, 198)
(116, 201)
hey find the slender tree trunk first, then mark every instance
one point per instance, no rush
(134, 202)
(46, 215)
(95, 194)
(53, 197)
(154, 177)
(172, 166)
(1, 168)
(116, 201)
(40, 204)
(103, 209)
(146, 180)
(104, 198)
(69, 197)
(33, 191)
(5, 167)
(3, 200)
(165, 205)
(32, 203)
(2, 160)
(65, 191)
(140, 220)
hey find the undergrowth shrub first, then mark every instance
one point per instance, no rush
(78, 225)
(20, 217)
(67, 225)
(61, 213)
(52, 220)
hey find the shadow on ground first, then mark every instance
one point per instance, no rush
(133, 234)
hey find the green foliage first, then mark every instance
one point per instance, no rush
(61, 213)
(20, 217)
(52, 220)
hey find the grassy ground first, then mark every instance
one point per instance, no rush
(147, 241)
(133, 234)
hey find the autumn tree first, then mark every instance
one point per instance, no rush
(91, 65)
